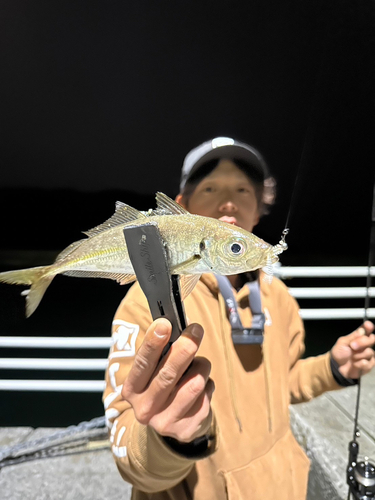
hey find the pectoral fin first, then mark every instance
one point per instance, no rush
(187, 281)
(187, 284)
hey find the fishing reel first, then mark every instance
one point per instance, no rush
(360, 474)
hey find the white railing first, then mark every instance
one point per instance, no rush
(53, 364)
(57, 342)
(96, 364)
(330, 292)
(351, 313)
(53, 385)
(285, 272)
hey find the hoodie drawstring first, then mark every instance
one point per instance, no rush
(232, 387)
(267, 375)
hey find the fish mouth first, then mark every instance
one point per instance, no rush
(229, 220)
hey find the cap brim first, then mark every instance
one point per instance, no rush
(231, 152)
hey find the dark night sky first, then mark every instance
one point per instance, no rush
(100, 96)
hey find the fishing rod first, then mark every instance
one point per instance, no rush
(360, 474)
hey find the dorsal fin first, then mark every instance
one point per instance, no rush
(123, 214)
(167, 206)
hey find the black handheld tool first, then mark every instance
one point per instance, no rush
(148, 256)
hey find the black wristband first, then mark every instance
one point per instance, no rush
(193, 449)
(340, 379)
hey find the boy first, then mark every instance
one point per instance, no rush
(171, 438)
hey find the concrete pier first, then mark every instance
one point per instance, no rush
(90, 475)
(323, 427)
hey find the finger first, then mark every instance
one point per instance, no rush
(365, 354)
(202, 404)
(363, 342)
(197, 421)
(174, 364)
(364, 365)
(341, 353)
(193, 384)
(147, 357)
(368, 326)
(365, 329)
(347, 339)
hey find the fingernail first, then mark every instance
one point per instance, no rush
(361, 331)
(354, 345)
(196, 331)
(161, 330)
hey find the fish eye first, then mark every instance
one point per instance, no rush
(237, 248)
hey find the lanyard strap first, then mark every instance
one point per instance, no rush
(256, 305)
(241, 335)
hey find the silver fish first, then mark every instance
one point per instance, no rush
(194, 245)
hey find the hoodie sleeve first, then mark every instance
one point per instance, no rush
(143, 458)
(310, 377)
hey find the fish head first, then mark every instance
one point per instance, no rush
(233, 250)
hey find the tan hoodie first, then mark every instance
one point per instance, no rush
(252, 454)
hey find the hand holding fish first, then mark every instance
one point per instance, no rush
(354, 353)
(172, 396)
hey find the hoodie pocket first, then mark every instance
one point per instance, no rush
(282, 471)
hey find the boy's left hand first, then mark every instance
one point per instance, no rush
(354, 353)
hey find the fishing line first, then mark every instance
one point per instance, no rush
(312, 121)
(296, 182)
(370, 255)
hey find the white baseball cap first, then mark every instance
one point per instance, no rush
(223, 147)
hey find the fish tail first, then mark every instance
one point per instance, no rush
(37, 277)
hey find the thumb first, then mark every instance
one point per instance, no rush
(348, 339)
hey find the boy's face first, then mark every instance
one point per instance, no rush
(227, 194)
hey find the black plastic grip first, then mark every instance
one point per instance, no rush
(148, 256)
